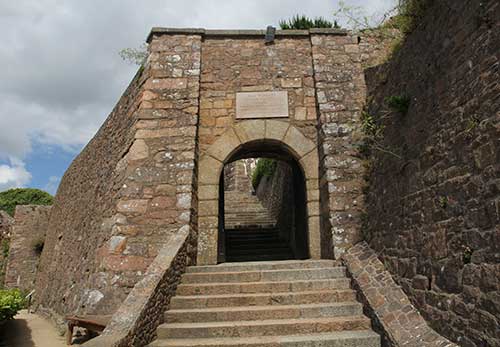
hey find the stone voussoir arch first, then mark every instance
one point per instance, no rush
(212, 162)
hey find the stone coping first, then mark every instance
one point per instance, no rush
(391, 311)
(241, 33)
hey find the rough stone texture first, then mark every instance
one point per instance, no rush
(6, 222)
(397, 320)
(434, 214)
(130, 190)
(136, 183)
(277, 194)
(341, 91)
(242, 64)
(237, 176)
(27, 232)
(136, 320)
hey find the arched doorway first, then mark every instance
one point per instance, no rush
(264, 218)
(254, 138)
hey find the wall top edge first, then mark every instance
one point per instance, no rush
(243, 33)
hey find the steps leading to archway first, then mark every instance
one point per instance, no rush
(256, 244)
(244, 210)
(266, 304)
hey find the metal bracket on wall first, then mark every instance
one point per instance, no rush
(270, 34)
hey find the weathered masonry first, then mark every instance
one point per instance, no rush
(150, 195)
(203, 99)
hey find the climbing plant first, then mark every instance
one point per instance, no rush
(265, 168)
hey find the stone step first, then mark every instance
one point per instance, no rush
(359, 338)
(267, 265)
(262, 299)
(262, 287)
(265, 275)
(248, 313)
(257, 257)
(255, 242)
(248, 231)
(251, 237)
(246, 225)
(269, 249)
(262, 327)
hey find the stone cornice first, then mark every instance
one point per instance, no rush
(241, 33)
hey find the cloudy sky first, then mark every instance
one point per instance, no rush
(61, 72)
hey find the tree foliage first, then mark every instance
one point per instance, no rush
(9, 199)
(302, 22)
(136, 56)
(11, 301)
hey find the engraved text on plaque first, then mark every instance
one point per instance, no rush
(261, 105)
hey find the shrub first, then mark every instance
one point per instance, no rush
(11, 301)
(9, 199)
(410, 14)
(301, 22)
(265, 167)
(399, 103)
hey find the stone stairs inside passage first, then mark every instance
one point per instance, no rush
(298, 303)
(244, 210)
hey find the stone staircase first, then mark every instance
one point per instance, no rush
(256, 244)
(266, 304)
(244, 210)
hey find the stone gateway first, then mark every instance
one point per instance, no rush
(149, 213)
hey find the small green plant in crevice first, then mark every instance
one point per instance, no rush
(11, 301)
(374, 132)
(472, 124)
(5, 248)
(443, 202)
(467, 255)
(37, 245)
(399, 103)
(265, 168)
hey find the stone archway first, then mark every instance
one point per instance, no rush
(211, 164)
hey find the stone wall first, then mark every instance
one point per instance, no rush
(237, 176)
(136, 320)
(277, 195)
(434, 211)
(130, 190)
(341, 92)
(6, 222)
(393, 316)
(27, 240)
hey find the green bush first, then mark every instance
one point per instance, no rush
(265, 167)
(9, 199)
(410, 14)
(303, 23)
(11, 301)
(399, 103)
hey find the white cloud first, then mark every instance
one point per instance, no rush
(61, 72)
(52, 185)
(14, 175)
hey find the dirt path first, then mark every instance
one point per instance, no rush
(29, 330)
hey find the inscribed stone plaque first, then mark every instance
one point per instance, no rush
(261, 105)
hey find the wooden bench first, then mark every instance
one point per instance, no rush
(92, 323)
